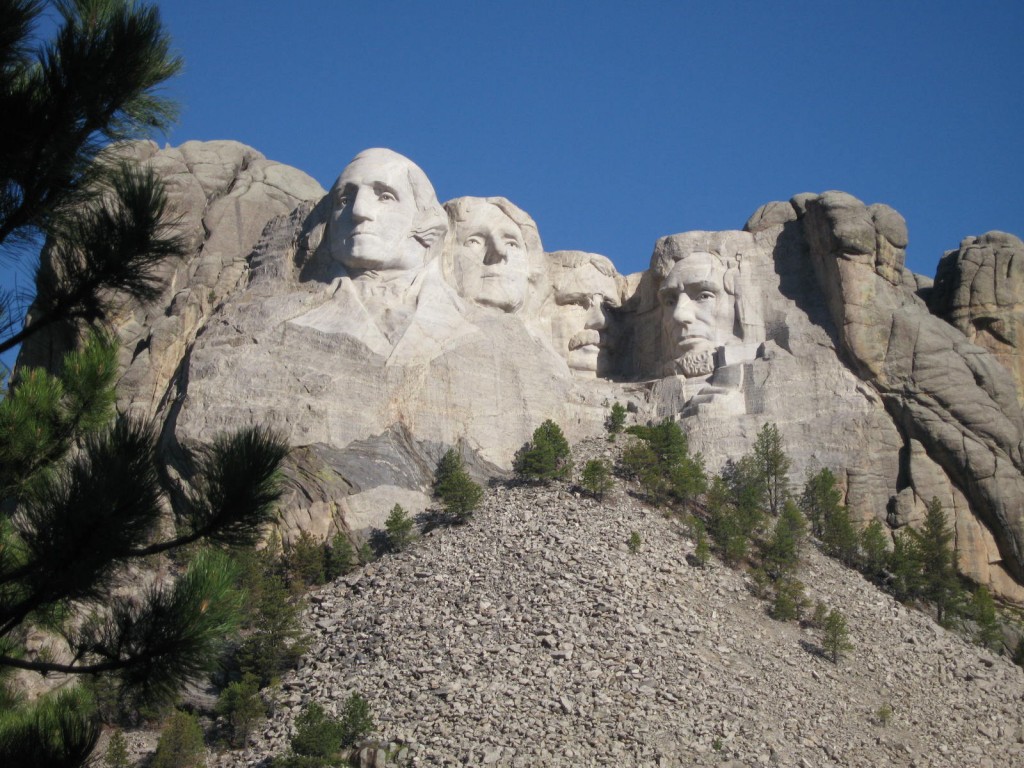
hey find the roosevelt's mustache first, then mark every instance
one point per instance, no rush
(585, 338)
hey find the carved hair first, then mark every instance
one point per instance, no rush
(562, 265)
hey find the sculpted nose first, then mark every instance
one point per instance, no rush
(495, 254)
(684, 313)
(597, 320)
(362, 207)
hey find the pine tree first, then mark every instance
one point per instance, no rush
(983, 611)
(339, 557)
(117, 752)
(597, 478)
(273, 640)
(455, 488)
(724, 524)
(80, 491)
(616, 420)
(820, 499)
(835, 636)
(839, 536)
(781, 552)
(905, 564)
(399, 527)
(546, 457)
(772, 466)
(181, 743)
(96, 81)
(241, 706)
(940, 581)
(874, 548)
(663, 465)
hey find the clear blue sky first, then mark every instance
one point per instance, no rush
(615, 123)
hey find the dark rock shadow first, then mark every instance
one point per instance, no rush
(814, 650)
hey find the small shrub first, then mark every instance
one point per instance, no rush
(597, 478)
(983, 611)
(616, 420)
(339, 557)
(181, 743)
(546, 457)
(781, 553)
(662, 463)
(356, 720)
(789, 602)
(399, 527)
(884, 715)
(273, 639)
(117, 752)
(240, 704)
(820, 615)
(839, 537)
(366, 553)
(836, 637)
(874, 547)
(701, 550)
(318, 735)
(635, 542)
(304, 562)
(459, 495)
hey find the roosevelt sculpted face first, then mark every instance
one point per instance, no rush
(373, 211)
(491, 259)
(580, 327)
(698, 312)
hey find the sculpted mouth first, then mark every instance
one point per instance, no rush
(586, 338)
(692, 341)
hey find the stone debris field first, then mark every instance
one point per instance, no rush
(532, 636)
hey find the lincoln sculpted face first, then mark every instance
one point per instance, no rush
(698, 311)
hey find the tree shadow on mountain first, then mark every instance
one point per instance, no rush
(436, 517)
(814, 649)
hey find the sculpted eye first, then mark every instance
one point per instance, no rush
(513, 244)
(474, 240)
(706, 296)
(342, 201)
(387, 197)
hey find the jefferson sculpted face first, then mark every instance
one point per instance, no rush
(585, 292)
(378, 205)
(698, 311)
(490, 257)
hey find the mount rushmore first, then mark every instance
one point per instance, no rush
(376, 328)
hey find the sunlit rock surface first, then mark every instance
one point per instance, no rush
(376, 328)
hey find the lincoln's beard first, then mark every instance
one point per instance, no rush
(696, 363)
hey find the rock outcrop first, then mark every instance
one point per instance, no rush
(979, 289)
(376, 328)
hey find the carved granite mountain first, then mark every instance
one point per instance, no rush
(979, 289)
(376, 328)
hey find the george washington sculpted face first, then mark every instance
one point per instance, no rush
(383, 210)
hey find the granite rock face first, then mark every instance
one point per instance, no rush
(979, 289)
(948, 395)
(376, 328)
